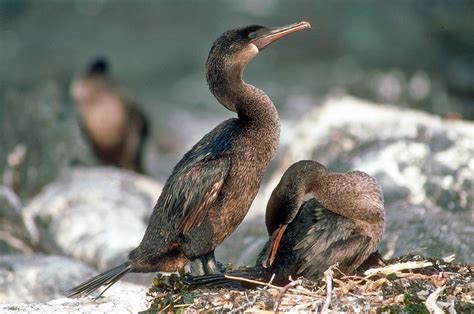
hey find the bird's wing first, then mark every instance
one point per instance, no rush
(194, 190)
(331, 240)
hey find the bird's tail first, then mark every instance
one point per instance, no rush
(107, 278)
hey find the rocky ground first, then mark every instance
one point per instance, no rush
(87, 219)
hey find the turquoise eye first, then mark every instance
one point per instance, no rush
(252, 35)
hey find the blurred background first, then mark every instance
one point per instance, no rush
(416, 54)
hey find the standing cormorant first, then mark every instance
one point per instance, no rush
(212, 187)
(112, 122)
(343, 223)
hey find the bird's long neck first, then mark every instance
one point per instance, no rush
(250, 103)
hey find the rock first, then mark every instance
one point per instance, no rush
(39, 277)
(40, 137)
(96, 215)
(424, 164)
(120, 298)
(243, 246)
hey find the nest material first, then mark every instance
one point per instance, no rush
(411, 284)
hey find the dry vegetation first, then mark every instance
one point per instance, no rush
(409, 284)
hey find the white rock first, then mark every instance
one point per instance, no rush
(38, 277)
(120, 298)
(96, 215)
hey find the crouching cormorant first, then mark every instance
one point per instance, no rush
(343, 223)
(112, 122)
(212, 187)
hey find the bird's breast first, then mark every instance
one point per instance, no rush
(105, 120)
(241, 185)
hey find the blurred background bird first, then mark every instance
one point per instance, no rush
(113, 123)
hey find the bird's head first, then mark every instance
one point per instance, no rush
(231, 52)
(99, 65)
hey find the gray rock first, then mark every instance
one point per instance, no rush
(96, 215)
(33, 152)
(38, 278)
(243, 246)
(424, 164)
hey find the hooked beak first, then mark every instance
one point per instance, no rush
(273, 245)
(266, 36)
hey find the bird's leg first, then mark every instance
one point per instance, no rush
(210, 264)
(205, 265)
(197, 267)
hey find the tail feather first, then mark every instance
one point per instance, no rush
(107, 278)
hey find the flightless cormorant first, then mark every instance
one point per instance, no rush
(111, 120)
(212, 187)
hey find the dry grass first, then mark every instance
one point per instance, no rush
(409, 284)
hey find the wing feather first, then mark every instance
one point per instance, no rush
(331, 240)
(195, 190)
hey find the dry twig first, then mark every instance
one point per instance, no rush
(431, 302)
(252, 281)
(390, 269)
(449, 259)
(282, 292)
(246, 305)
(328, 278)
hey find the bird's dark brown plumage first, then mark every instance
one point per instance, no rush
(212, 187)
(112, 122)
(343, 223)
